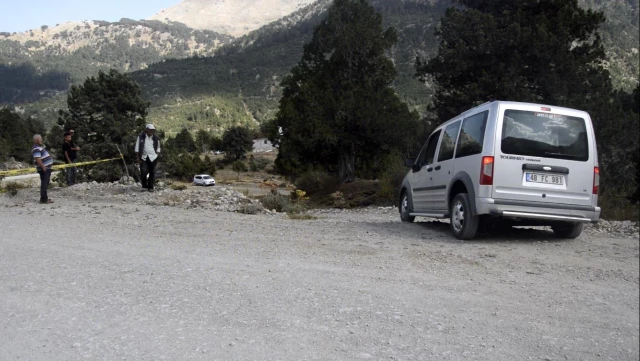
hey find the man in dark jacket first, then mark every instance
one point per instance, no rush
(147, 151)
(70, 154)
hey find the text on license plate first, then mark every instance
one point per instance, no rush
(545, 178)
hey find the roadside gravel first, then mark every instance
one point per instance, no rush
(108, 272)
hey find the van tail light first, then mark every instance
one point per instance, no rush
(596, 180)
(486, 171)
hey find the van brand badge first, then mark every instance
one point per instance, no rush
(546, 168)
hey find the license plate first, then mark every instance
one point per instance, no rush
(545, 178)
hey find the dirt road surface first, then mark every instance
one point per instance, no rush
(85, 279)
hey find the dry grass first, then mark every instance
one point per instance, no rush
(301, 216)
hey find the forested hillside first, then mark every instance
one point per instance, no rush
(189, 87)
(45, 61)
(249, 70)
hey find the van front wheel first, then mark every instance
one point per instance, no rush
(464, 223)
(567, 230)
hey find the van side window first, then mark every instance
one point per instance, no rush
(472, 135)
(448, 144)
(432, 144)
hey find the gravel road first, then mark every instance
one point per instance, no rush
(106, 278)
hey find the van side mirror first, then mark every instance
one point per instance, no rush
(409, 162)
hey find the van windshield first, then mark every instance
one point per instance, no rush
(544, 135)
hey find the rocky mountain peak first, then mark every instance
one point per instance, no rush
(231, 17)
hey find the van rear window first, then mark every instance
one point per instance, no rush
(545, 135)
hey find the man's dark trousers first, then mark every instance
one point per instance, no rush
(147, 167)
(45, 178)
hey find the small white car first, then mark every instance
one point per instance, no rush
(204, 180)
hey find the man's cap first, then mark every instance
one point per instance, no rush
(150, 126)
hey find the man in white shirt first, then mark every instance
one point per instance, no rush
(147, 150)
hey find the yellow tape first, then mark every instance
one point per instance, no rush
(55, 167)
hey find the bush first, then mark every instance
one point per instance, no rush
(250, 208)
(392, 176)
(276, 201)
(616, 207)
(315, 181)
(239, 166)
(178, 187)
(12, 188)
(259, 163)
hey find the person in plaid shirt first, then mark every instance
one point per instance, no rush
(44, 162)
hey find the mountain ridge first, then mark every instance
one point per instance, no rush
(240, 77)
(231, 17)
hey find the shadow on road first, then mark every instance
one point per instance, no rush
(439, 231)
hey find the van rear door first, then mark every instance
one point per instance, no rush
(544, 155)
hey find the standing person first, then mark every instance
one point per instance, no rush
(70, 155)
(44, 162)
(147, 150)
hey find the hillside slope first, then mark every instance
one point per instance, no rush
(251, 68)
(44, 61)
(232, 17)
(241, 83)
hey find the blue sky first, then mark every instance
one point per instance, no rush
(21, 15)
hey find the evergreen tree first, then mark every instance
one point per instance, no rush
(203, 140)
(184, 142)
(236, 142)
(16, 137)
(540, 51)
(338, 108)
(105, 111)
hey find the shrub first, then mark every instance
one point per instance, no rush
(616, 207)
(12, 188)
(178, 187)
(392, 176)
(259, 163)
(250, 208)
(315, 181)
(337, 200)
(239, 166)
(275, 201)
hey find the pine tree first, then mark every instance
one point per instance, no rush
(106, 112)
(541, 51)
(236, 142)
(184, 142)
(338, 108)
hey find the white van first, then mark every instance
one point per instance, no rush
(516, 163)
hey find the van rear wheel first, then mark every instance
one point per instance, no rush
(464, 224)
(406, 208)
(567, 230)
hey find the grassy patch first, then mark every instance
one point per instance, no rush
(178, 187)
(301, 216)
(12, 188)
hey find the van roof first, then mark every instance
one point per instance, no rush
(507, 103)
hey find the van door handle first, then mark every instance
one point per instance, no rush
(429, 169)
(438, 167)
